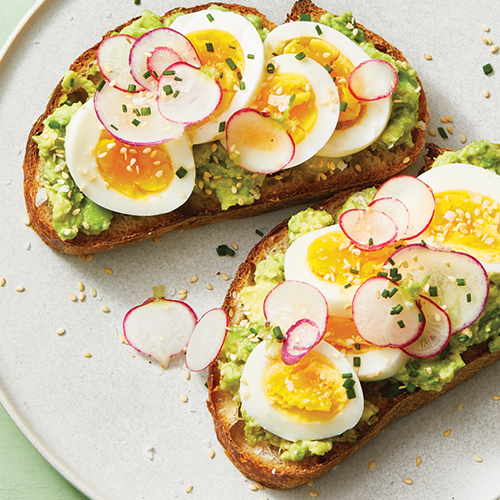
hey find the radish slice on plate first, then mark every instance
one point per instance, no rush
(187, 95)
(372, 80)
(207, 340)
(368, 229)
(300, 339)
(112, 57)
(160, 59)
(436, 334)
(117, 111)
(144, 47)
(159, 328)
(458, 282)
(384, 316)
(292, 301)
(416, 196)
(258, 143)
(396, 210)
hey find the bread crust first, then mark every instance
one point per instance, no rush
(262, 463)
(290, 187)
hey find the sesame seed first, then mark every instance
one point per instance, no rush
(449, 129)
(81, 286)
(234, 245)
(357, 167)
(432, 132)
(89, 257)
(93, 291)
(2, 281)
(485, 28)
(108, 270)
(310, 483)
(187, 375)
(406, 160)
(26, 222)
(313, 493)
(486, 93)
(87, 354)
(123, 339)
(60, 331)
(81, 297)
(184, 398)
(443, 120)
(494, 49)
(156, 239)
(447, 433)
(495, 397)
(211, 453)
(428, 56)
(230, 313)
(252, 487)
(408, 481)
(182, 291)
(460, 406)
(448, 118)
(478, 459)
(486, 40)
(72, 297)
(189, 489)
(372, 464)
(209, 286)
(159, 173)
(245, 394)
(463, 139)
(224, 276)
(105, 309)
(418, 461)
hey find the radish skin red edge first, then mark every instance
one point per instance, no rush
(300, 339)
(373, 80)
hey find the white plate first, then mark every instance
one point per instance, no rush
(96, 418)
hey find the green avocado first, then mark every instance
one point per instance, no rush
(147, 22)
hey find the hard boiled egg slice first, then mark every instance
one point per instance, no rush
(133, 180)
(361, 123)
(231, 51)
(306, 400)
(467, 212)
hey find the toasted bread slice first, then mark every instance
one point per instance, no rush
(287, 188)
(262, 463)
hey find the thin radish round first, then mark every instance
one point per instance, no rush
(384, 316)
(292, 301)
(112, 57)
(145, 45)
(368, 229)
(159, 328)
(458, 282)
(117, 111)
(207, 340)
(396, 210)
(372, 80)
(258, 143)
(300, 338)
(161, 58)
(186, 94)
(436, 334)
(416, 196)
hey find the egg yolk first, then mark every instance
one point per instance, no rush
(334, 258)
(288, 97)
(308, 391)
(223, 58)
(339, 67)
(467, 221)
(134, 171)
(342, 334)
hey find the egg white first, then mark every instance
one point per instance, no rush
(82, 135)
(257, 405)
(372, 124)
(250, 42)
(463, 176)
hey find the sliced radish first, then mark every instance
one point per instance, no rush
(161, 58)
(144, 47)
(436, 334)
(112, 57)
(416, 196)
(458, 282)
(187, 94)
(368, 229)
(159, 328)
(207, 340)
(117, 111)
(383, 317)
(396, 210)
(372, 80)
(259, 143)
(300, 339)
(292, 301)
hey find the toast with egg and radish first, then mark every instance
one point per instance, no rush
(425, 317)
(140, 177)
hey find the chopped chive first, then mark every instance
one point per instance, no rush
(348, 285)
(391, 262)
(411, 387)
(357, 346)
(69, 103)
(210, 18)
(253, 330)
(328, 68)
(250, 56)
(415, 364)
(53, 124)
(396, 278)
(444, 352)
(209, 46)
(318, 30)
(398, 247)
(114, 126)
(278, 334)
(230, 63)
(136, 122)
(239, 75)
(124, 108)
(396, 310)
(393, 272)
(420, 317)
(392, 292)
(354, 271)
(442, 133)
(413, 373)
(131, 88)
(242, 85)
(487, 69)
(259, 232)
(176, 93)
(343, 106)
(463, 338)
(168, 72)
(270, 68)
(356, 361)
(382, 273)
(137, 112)
(349, 383)
(222, 126)
(72, 82)
(168, 89)
(460, 282)
(469, 297)
(385, 293)
(181, 172)
(422, 242)
(155, 74)
(304, 17)
(274, 54)
(401, 323)
(137, 2)
(433, 291)
(101, 85)
(347, 375)
(231, 47)
(300, 56)
(225, 250)
(177, 79)
(370, 241)
(221, 75)
(394, 388)
(147, 74)
(351, 393)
